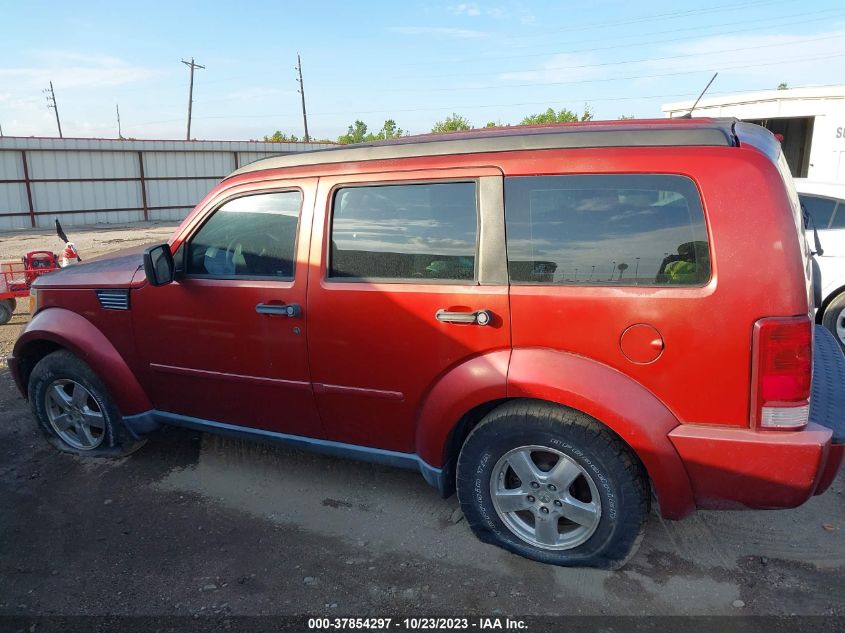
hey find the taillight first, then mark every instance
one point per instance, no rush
(781, 372)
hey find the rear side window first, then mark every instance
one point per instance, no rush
(820, 209)
(411, 232)
(252, 236)
(620, 230)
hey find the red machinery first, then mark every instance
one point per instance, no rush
(17, 277)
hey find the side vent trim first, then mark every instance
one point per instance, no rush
(113, 299)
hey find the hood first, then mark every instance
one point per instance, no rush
(114, 270)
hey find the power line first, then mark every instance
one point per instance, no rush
(607, 79)
(644, 36)
(453, 107)
(647, 37)
(642, 60)
(646, 40)
(449, 108)
(671, 15)
(192, 65)
(51, 103)
(301, 91)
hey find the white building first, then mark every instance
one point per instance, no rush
(811, 122)
(94, 181)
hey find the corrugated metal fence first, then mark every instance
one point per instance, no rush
(92, 181)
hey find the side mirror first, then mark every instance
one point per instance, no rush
(158, 265)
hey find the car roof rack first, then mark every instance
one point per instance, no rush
(591, 134)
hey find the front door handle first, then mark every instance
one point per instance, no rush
(479, 317)
(279, 309)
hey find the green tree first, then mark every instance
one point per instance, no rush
(561, 116)
(625, 117)
(453, 123)
(357, 133)
(783, 86)
(388, 130)
(280, 137)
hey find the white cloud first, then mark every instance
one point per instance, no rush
(86, 89)
(470, 9)
(438, 31)
(766, 58)
(560, 67)
(74, 71)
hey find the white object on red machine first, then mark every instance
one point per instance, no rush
(69, 255)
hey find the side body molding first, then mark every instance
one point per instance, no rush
(74, 332)
(632, 411)
(475, 382)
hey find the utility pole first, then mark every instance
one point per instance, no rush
(192, 66)
(51, 103)
(1, 130)
(117, 108)
(302, 94)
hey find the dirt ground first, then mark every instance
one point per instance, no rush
(197, 524)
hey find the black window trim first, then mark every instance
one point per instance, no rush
(650, 287)
(401, 280)
(839, 208)
(244, 194)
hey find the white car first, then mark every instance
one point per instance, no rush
(825, 202)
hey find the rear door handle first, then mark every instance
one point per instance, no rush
(479, 317)
(279, 309)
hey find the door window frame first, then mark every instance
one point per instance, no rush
(477, 268)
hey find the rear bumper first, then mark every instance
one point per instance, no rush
(733, 468)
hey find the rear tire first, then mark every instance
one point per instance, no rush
(834, 319)
(7, 308)
(554, 485)
(75, 411)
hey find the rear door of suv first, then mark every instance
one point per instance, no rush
(407, 281)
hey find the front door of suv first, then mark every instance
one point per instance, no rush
(225, 342)
(398, 269)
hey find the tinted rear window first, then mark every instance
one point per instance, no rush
(626, 230)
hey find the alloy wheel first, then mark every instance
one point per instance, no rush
(545, 497)
(74, 414)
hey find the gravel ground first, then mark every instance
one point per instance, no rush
(197, 524)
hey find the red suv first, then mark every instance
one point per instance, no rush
(564, 323)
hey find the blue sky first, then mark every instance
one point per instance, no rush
(413, 62)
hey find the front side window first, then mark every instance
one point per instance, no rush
(628, 230)
(405, 232)
(252, 236)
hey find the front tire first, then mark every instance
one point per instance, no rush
(554, 485)
(75, 411)
(834, 318)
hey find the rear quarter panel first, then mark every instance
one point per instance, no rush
(703, 374)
